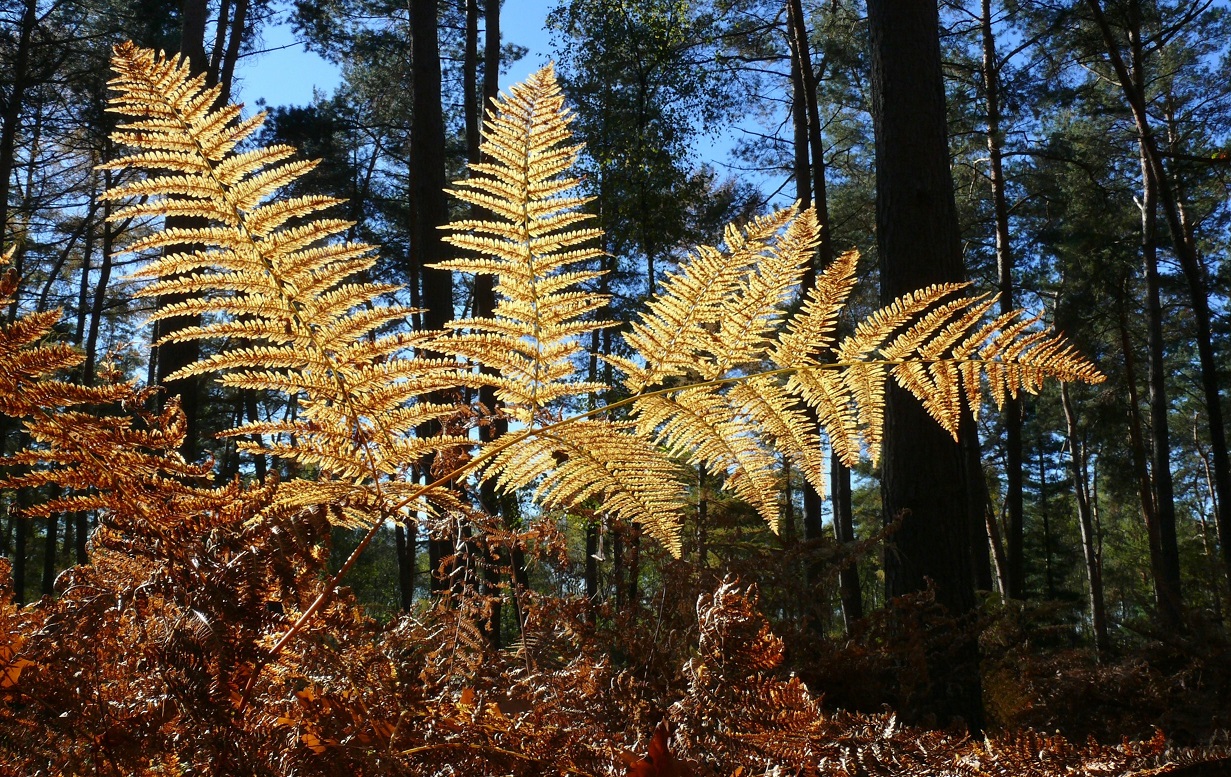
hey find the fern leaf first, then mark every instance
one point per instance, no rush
(682, 331)
(811, 330)
(267, 274)
(772, 407)
(599, 460)
(532, 243)
(705, 428)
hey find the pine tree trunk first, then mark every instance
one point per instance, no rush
(811, 191)
(13, 105)
(1079, 467)
(923, 474)
(49, 553)
(170, 357)
(1137, 443)
(427, 164)
(1014, 504)
(1166, 563)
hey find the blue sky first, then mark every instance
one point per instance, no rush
(286, 74)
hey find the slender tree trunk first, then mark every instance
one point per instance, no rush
(226, 69)
(924, 478)
(1049, 581)
(20, 555)
(406, 581)
(811, 190)
(1132, 81)
(1137, 440)
(49, 553)
(427, 162)
(13, 107)
(1014, 504)
(1167, 567)
(1078, 465)
(21, 550)
(999, 560)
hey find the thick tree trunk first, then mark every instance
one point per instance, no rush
(1079, 467)
(170, 357)
(923, 475)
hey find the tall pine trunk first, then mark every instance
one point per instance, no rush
(1014, 503)
(430, 208)
(1079, 467)
(1165, 554)
(924, 478)
(811, 191)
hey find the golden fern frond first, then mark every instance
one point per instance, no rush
(706, 427)
(825, 391)
(751, 317)
(684, 330)
(773, 408)
(599, 459)
(811, 330)
(941, 352)
(277, 285)
(533, 244)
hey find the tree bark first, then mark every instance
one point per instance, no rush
(811, 191)
(1079, 467)
(13, 106)
(1141, 469)
(923, 475)
(1166, 563)
(1014, 504)
(170, 357)
(427, 164)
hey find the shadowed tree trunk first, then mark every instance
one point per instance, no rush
(1165, 561)
(14, 102)
(810, 190)
(924, 477)
(1079, 467)
(430, 209)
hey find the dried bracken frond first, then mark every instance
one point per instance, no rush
(275, 283)
(532, 243)
(719, 307)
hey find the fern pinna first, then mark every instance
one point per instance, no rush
(721, 371)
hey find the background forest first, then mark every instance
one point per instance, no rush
(1062, 569)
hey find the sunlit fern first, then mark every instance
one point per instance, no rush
(721, 370)
(273, 275)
